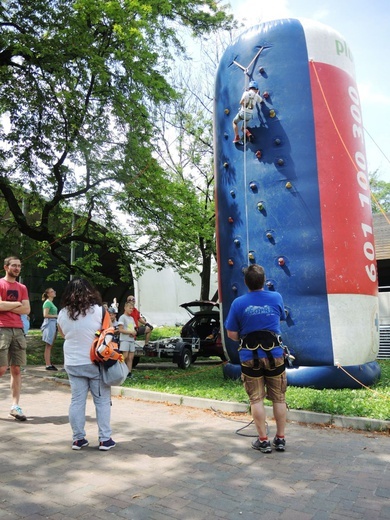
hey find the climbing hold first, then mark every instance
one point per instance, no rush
(234, 288)
(260, 206)
(237, 242)
(251, 256)
(226, 135)
(261, 70)
(277, 141)
(280, 162)
(231, 220)
(288, 185)
(231, 261)
(233, 193)
(253, 186)
(272, 113)
(265, 95)
(269, 284)
(281, 261)
(258, 154)
(269, 235)
(225, 164)
(227, 111)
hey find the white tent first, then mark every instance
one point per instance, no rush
(160, 293)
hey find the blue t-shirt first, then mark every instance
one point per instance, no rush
(257, 310)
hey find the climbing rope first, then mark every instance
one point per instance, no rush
(341, 138)
(245, 177)
(247, 74)
(360, 383)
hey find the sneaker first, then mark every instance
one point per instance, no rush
(77, 445)
(279, 444)
(16, 413)
(237, 139)
(107, 445)
(52, 367)
(130, 375)
(263, 446)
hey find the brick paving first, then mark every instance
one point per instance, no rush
(176, 462)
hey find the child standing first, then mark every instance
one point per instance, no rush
(126, 327)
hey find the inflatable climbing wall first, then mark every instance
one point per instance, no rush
(296, 198)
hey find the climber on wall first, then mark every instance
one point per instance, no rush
(248, 102)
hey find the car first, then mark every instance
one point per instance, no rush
(199, 337)
(205, 326)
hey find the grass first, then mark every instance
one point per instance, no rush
(206, 380)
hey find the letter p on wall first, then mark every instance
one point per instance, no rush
(342, 48)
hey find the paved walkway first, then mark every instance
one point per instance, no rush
(176, 462)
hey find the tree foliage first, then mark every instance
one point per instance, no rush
(380, 191)
(185, 146)
(81, 81)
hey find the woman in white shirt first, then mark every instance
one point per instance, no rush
(78, 320)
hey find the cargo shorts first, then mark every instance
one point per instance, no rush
(13, 346)
(273, 387)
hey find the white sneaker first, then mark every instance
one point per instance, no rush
(16, 413)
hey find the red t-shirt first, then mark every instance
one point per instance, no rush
(12, 292)
(135, 315)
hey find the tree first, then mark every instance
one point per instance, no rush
(185, 146)
(381, 193)
(80, 82)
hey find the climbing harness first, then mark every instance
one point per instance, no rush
(265, 340)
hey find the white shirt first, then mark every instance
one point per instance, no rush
(249, 100)
(79, 335)
(128, 324)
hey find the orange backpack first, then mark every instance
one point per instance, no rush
(103, 347)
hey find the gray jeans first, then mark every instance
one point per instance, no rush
(83, 378)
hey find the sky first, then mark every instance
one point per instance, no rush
(365, 26)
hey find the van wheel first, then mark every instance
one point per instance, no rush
(185, 359)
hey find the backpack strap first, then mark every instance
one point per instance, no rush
(106, 323)
(106, 320)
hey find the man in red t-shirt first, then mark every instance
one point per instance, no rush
(145, 327)
(14, 301)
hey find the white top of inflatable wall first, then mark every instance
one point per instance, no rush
(324, 44)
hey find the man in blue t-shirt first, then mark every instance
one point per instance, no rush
(254, 320)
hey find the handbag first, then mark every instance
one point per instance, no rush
(115, 374)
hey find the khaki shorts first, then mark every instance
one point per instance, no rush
(13, 347)
(276, 386)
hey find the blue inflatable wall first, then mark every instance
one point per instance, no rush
(297, 200)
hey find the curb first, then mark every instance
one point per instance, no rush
(301, 416)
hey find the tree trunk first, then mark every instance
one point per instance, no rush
(205, 276)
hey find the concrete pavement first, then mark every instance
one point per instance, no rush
(177, 462)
